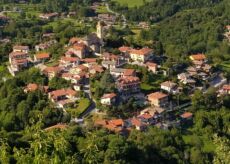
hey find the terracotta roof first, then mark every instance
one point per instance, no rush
(186, 115)
(129, 72)
(89, 60)
(198, 57)
(15, 54)
(69, 59)
(109, 95)
(31, 87)
(156, 95)
(125, 49)
(168, 84)
(74, 40)
(226, 87)
(52, 69)
(117, 122)
(97, 68)
(136, 122)
(82, 67)
(62, 92)
(151, 64)
(129, 79)
(20, 61)
(18, 47)
(146, 116)
(79, 46)
(43, 56)
(143, 51)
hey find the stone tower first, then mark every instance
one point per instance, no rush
(100, 30)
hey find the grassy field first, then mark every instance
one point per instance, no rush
(82, 106)
(132, 3)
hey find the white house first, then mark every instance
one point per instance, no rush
(108, 99)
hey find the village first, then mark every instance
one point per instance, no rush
(85, 58)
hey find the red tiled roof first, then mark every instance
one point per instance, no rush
(198, 57)
(129, 79)
(62, 92)
(125, 49)
(186, 115)
(143, 51)
(150, 64)
(74, 40)
(69, 59)
(43, 56)
(18, 47)
(89, 60)
(52, 69)
(146, 116)
(79, 46)
(168, 84)
(226, 87)
(129, 72)
(136, 122)
(117, 122)
(109, 95)
(15, 54)
(156, 95)
(32, 87)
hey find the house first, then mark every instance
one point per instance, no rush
(185, 78)
(79, 50)
(153, 110)
(41, 57)
(19, 48)
(115, 125)
(146, 118)
(152, 66)
(48, 16)
(108, 99)
(125, 51)
(52, 71)
(94, 69)
(226, 89)
(128, 86)
(89, 61)
(137, 123)
(62, 94)
(74, 78)
(141, 55)
(144, 25)
(169, 86)
(31, 87)
(158, 99)
(112, 61)
(18, 61)
(198, 59)
(45, 45)
(186, 115)
(78, 69)
(69, 61)
(129, 72)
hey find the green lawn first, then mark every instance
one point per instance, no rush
(132, 3)
(83, 104)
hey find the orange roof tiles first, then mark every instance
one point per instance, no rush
(198, 57)
(186, 115)
(32, 87)
(129, 72)
(62, 92)
(156, 95)
(43, 56)
(18, 47)
(226, 87)
(69, 59)
(150, 64)
(109, 95)
(117, 122)
(143, 51)
(125, 49)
